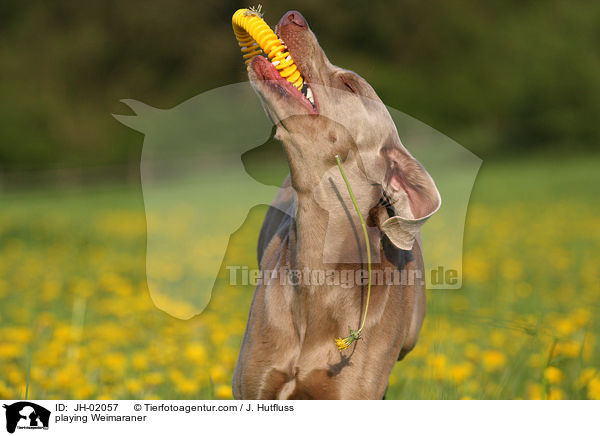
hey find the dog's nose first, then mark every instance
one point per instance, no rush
(294, 17)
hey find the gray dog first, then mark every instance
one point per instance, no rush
(288, 350)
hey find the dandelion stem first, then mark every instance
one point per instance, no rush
(364, 227)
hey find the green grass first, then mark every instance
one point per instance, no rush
(529, 298)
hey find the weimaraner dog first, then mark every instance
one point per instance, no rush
(288, 350)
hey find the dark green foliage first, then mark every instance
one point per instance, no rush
(499, 77)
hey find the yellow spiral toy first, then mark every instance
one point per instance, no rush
(255, 36)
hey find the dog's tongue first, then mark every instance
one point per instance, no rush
(265, 69)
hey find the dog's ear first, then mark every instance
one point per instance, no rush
(410, 196)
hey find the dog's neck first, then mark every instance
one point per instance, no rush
(308, 234)
(327, 232)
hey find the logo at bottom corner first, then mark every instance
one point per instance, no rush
(25, 415)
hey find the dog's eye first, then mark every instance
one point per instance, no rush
(349, 85)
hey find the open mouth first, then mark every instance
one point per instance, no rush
(266, 70)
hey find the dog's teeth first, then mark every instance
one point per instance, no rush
(309, 94)
(289, 58)
(275, 63)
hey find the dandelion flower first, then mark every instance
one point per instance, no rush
(594, 389)
(154, 378)
(139, 361)
(568, 349)
(195, 352)
(342, 343)
(556, 394)
(461, 372)
(553, 375)
(10, 351)
(586, 375)
(223, 392)
(534, 391)
(493, 360)
(218, 374)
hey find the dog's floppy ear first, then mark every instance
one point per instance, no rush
(409, 192)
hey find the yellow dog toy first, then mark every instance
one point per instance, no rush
(255, 36)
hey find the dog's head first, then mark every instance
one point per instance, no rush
(338, 112)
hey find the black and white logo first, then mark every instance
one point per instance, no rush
(25, 415)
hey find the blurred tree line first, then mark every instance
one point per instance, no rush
(499, 77)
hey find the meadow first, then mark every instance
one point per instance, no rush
(76, 317)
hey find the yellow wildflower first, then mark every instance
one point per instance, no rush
(229, 355)
(219, 335)
(5, 392)
(553, 375)
(493, 360)
(534, 391)
(581, 316)
(568, 349)
(586, 375)
(438, 363)
(195, 352)
(10, 350)
(17, 334)
(14, 375)
(186, 386)
(556, 394)
(594, 389)
(134, 386)
(154, 378)
(476, 268)
(342, 343)
(223, 392)
(459, 373)
(218, 374)
(566, 326)
(84, 391)
(139, 361)
(115, 363)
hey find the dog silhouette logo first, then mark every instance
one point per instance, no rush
(26, 415)
(198, 190)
